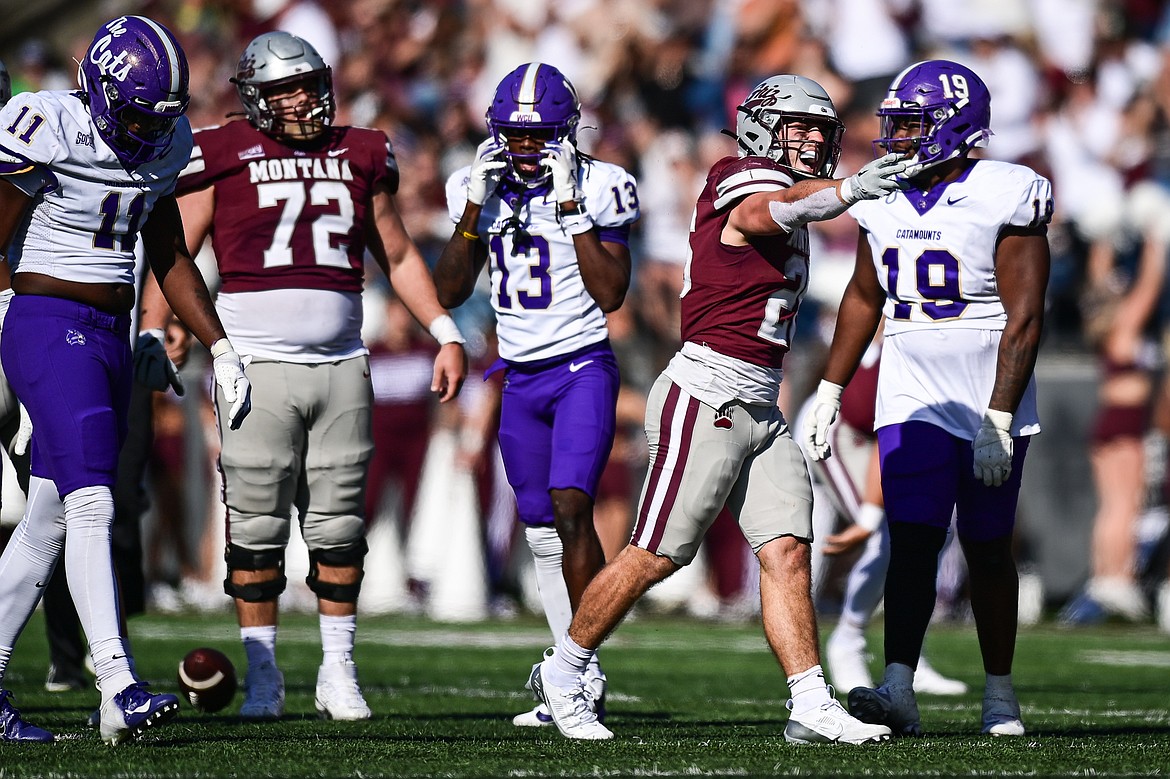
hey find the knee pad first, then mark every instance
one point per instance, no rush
(240, 559)
(353, 554)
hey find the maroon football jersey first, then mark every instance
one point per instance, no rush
(859, 399)
(294, 216)
(741, 301)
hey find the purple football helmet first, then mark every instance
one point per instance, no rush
(134, 75)
(944, 104)
(537, 101)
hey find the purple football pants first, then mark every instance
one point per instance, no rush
(557, 423)
(927, 474)
(70, 365)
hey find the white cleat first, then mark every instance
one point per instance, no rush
(537, 718)
(848, 664)
(928, 681)
(338, 694)
(263, 693)
(571, 707)
(831, 724)
(891, 705)
(1001, 714)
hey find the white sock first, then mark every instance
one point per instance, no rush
(89, 568)
(866, 583)
(808, 690)
(259, 644)
(337, 638)
(569, 661)
(5, 656)
(30, 557)
(547, 554)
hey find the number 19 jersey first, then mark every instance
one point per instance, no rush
(935, 255)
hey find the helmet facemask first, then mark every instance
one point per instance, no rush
(791, 121)
(533, 106)
(285, 87)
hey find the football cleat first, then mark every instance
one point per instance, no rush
(338, 694)
(133, 711)
(928, 681)
(570, 706)
(829, 723)
(846, 657)
(14, 728)
(1001, 714)
(63, 680)
(891, 705)
(595, 689)
(263, 692)
(537, 718)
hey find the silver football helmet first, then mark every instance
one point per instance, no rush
(275, 65)
(5, 85)
(775, 119)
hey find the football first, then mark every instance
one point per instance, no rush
(207, 679)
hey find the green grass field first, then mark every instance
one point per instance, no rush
(687, 698)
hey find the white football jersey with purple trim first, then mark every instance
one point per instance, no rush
(934, 253)
(542, 307)
(87, 209)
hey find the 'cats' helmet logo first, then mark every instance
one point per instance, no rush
(535, 100)
(763, 119)
(135, 79)
(945, 105)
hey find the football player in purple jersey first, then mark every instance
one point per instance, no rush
(715, 433)
(553, 226)
(294, 202)
(83, 176)
(957, 264)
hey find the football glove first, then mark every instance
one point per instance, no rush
(485, 171)
(879, 177)
(993, 448)
(23, 435)
(824, 413)
(152, 368)
(229, 375)
(561, 160)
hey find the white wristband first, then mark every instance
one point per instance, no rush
(828, 392)
(869, 516)
(1000, 420)
(221, 347)
(847, 191)
(577, 223)
(445, 331)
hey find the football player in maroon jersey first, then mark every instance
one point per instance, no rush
(715, 433)
(293, 203)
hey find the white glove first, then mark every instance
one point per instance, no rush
(23, 433)
(561, 160)
(993, 448)
(152, 368)
(877, 178)
(824, 413)
(485, 171)
(229, 375)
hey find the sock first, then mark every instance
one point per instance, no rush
(568, 662)
(28, 560)
(259, 644)
(337, 638)
(112, 666)
(999, 686)
(867, 580)
(5, 656)
(547, 553)
(808, 690)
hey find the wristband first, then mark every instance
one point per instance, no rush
(445, 331)
(869, 516)
(1000, 420)
(576, 222)
(828, 392)
(469, 236)
(847, 192)
(157, 332)
(221, 347)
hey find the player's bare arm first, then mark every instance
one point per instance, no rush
(605, 269)
(461, 261)
(181, 281)
(197, 209)
(858, 316)
(13, 204)
(1021, 271)
(399, 258)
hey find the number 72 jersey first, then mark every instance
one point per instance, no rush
(935, 251)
